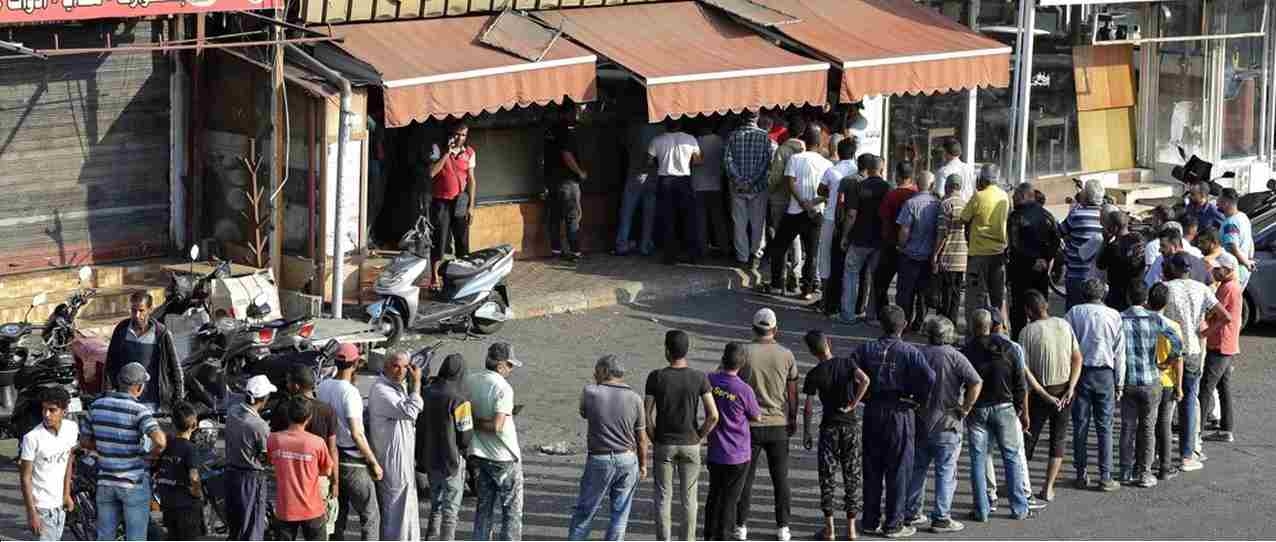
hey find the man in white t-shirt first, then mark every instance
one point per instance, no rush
(830, 258)
(357, 465)
(954, 166)
(494, 448)
(673, 153)
(46, 467)
(804, 173)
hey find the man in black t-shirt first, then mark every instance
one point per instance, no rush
(840, 384)
(673, 395)
(177, 480)
(862, 238)
(563, 175)
(323, 424)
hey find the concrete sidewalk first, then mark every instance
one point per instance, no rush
(553, 286)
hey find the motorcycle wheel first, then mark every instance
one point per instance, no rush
(391, 325)
(488, 327)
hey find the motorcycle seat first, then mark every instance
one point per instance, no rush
(475, 263)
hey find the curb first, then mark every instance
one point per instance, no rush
(626, 292)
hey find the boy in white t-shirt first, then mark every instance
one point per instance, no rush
(46, 467)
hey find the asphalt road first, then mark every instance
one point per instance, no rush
(1230, 498)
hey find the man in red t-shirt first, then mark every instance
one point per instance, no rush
(454, 187)
(1222, 344)
(299, 458)
(888, 260)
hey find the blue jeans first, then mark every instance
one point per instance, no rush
(1095, 398)
(1000, 424)
(859, 261)
(445, 504)
(498, 515)
(130, 505)
(614, 475)
(942, 448)
(52, 521)
(1189, 413)
(636, 193)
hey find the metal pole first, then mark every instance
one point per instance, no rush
(1012, 121)
(972, 101)
(1025, 82)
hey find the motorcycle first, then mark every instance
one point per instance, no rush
(473, 296)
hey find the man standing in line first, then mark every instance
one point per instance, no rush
(443, 435)
(861, 238)
(246, 436)
(1082, 232)
(454, 185)
(1054, 367)
(1222, 346)
(772, 373)
(1238, 235)
(1098, 330)
(357, 465)
(1174, 243)
(564, 175)
(1034, 242)
(918, 223)
(994, 418)
(729, 442)
(1199, 205)
(617, 447)
(673, 153)
(1143, 329)
(393, 407)
(322, 424)
(143, 339)
(804, 174)
(840, 385)
(985, 217)
(640, 191)
(832, 257)
(939, 436)
(948, 265)
(673, 395)
(498, 514)
(46, 466)
(299, 459)
(899, 380)
(706, 181)
(746, 159)
(1123, 259)
(888, 261)
(1171, 370)
(780, 196)
(954, 166)
(1193, 306)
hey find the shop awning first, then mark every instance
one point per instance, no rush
(694, 61)
(894, 46)
(438, 68)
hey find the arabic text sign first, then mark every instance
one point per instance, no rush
(25, 11)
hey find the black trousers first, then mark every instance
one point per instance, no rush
(1043, 411)
(726, 484)
(832, 296)
(1022, 277)
(950, 286)
(183, 523)
(564, 213)
(795, 226)
(888, 461)
(1164, 430)
(772, 440)
(1217, 375)
(448, 227)
(310, 529)
(887, 267)
(676, 202)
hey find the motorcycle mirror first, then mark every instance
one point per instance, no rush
(86, 273)
(1182, 153)
(1271, 184)
(40, 299)
(194, 253)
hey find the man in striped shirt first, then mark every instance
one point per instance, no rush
(117, 423)
(1141, 395)
(1082, 232)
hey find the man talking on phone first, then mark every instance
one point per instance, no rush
(453, 192)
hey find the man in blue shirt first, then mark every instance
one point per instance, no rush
(117, 424)
(1199, 205)
(900, 379)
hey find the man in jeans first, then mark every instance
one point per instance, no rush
(117, 425)
(993, 418)
(1054, 367)
(1171, 370)
(985, 217)
(888, 260)
(918, 223)
(772, 373)
(862, 239)
(673, 395)
(357, 466)
(838, 181)
(564, 174)
(617, 446)
(1099, 333)
(747, 158)
(443, 434)
(840, 385)
(498, 514)
(952, 397)
(1222, 345)
(46, 465)
(640, 191)
(1142, 394)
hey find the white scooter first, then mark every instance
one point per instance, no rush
(474, 295)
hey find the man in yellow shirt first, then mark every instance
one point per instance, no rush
(1171, 383)
(985, 217)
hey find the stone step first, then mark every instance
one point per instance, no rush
(109, 301)
(26, 285)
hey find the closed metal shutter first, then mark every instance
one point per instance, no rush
(84, 150)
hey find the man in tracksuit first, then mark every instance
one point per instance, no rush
(900, 379)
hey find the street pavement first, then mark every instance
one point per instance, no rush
(1230, 498)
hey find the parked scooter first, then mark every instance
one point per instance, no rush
(474, 294)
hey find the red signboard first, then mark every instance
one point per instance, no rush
(28, 11)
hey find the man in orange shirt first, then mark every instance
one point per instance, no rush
(1222, 344)
(299, 458)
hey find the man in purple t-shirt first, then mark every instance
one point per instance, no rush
(730, 444)
(840, 384)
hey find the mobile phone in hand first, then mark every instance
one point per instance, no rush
(517, 409)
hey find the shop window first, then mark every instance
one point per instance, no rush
(1242, 96)
(1180, 109)
(920, 124)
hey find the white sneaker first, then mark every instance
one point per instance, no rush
(1190, 465)
(740, 532)
(783, 535)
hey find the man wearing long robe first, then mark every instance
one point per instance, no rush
(393, 407)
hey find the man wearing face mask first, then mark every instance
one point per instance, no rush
(393, 406)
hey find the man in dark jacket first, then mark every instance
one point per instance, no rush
(144, 340)
(1034, 242)
(443, 435)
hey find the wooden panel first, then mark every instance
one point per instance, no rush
(1104, 76)
(1106, 137)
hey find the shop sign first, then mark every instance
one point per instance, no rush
(37, 11)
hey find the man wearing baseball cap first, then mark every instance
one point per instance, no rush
(772, 373)
(246, 435)
(1222, 345)
(116, 424)
(494, 449)
(357, 466)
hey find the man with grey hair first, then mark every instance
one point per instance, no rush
(617, 447)
(1098, 331)
(918, 223)
(939, 425)
(994, 418)
(1082, 232)
(495, 449)
(394, 403)
(1034, 243)
(948, 265)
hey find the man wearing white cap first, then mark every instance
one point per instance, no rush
(246, 435)
(772, 373)
(1222, 345)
